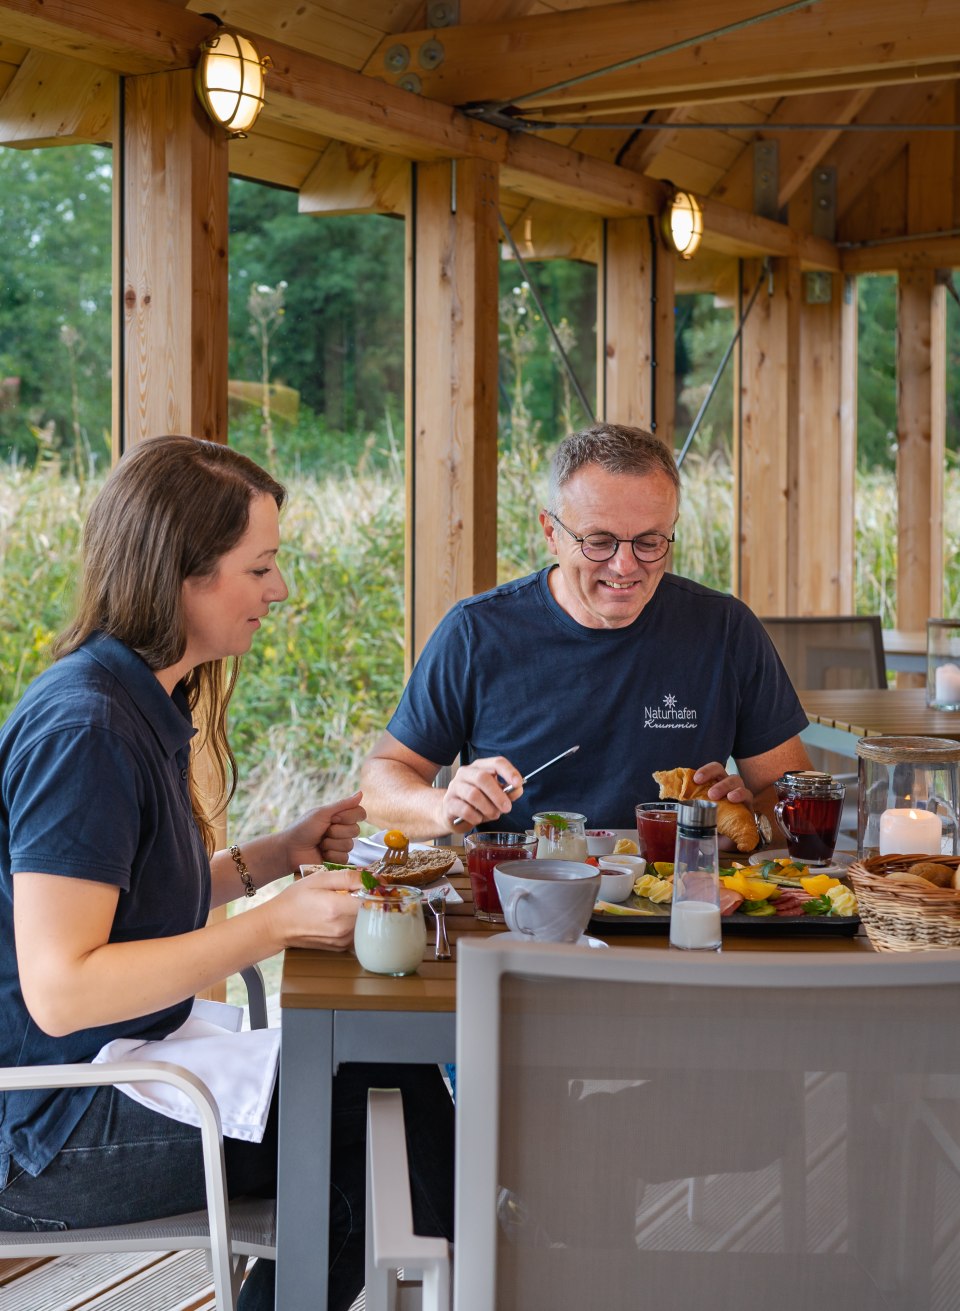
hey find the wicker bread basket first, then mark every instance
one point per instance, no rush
(902, 916)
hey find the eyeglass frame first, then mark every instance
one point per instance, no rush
(619, 541)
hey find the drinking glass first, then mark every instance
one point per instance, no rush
(657, 830)
(484, 851)
(561, 835)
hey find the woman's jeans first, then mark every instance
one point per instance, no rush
(125, 1163)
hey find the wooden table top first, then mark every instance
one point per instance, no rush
(326, 980)
(866, 712)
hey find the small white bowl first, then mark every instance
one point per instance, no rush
(635, 863)
(600, 841)
(616, 884)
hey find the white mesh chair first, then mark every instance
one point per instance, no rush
(592, 1084)
(230, 1232)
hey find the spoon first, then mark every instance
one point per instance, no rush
(438, 905)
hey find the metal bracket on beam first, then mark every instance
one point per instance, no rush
(824, 217)
(766, 179)
(443, 13)
(818, 288)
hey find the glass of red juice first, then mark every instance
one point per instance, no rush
(657, 830)
(484, 851)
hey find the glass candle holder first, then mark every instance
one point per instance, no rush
(907, 796)
(943, 664)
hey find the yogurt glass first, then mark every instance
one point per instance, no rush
(560, 835)
(390, 936)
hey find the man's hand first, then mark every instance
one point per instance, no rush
(723, 786)
(475, 794)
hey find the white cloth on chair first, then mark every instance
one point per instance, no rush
(240, 1069)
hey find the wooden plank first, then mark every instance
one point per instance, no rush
(452, 440)
(500, 61)
(175, 262)
(732, 232)
(931, 181)
(351, 180)
(849, 357)
(53, 100)
(270, 159)
(921, 321)
(543, 231)
(346, 37)
(635, 347)
(761, 445)
(930, 253)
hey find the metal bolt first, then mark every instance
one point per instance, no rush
(397, 58)
(442, 14)
(430, 55)
(410, 82)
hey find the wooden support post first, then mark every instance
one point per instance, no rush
(452, 390)
(635, 346)
(173, 173)
(796, 453)
(921, 419)
(766, 423)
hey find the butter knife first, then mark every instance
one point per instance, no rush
(552, 761)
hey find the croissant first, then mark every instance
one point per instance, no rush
(734, 819)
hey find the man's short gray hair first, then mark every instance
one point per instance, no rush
(615, 448)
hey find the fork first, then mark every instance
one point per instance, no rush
(438, 905)
(392, 856)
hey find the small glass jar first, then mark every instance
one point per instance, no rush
(390, 935)
(561, 835)
(907, 796)
(943, 664)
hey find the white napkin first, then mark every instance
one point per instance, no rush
(240, 1069)
(367, 850)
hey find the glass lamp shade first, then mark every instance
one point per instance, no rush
(683, 224)
(230, 77)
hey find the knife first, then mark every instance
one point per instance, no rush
(552, 761)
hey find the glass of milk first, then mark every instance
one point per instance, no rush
(390, 935)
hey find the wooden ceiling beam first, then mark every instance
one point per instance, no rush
(502, 61)
(351, 180)
(730, 231)
(889, 256)
(52, 100)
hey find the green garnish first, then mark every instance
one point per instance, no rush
(556, 821)
(369, 881)
(818, 906)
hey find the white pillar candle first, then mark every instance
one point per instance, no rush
(906, 831)
(946, 681)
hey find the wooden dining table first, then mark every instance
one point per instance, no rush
(840, 716)
(332, 1010)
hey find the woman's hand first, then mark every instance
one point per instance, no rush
(317, 911)
(326, 833)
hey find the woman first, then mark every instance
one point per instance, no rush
(107, 867)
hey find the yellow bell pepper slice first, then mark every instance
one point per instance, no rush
(818, 884)
(750, 889)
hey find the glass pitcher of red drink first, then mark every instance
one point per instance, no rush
(808, 809)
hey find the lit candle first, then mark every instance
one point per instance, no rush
(947, 684)
(908, 831)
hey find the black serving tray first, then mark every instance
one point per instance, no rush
(605, 924)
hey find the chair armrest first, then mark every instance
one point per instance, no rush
(256, 996)
(391, 1242)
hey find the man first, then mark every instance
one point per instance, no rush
(643, 669)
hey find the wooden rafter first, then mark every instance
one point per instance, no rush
(829, 39)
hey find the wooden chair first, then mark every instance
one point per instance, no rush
(229, 1231)
(567, 1197)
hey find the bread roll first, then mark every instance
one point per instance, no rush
(734, 819)
(931, 870)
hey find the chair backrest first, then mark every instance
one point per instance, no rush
(592, 1083)
(830, 651)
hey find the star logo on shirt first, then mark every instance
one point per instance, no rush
(669, 700)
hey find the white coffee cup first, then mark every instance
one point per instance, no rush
(550, 900)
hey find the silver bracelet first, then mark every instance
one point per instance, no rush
(250, 888)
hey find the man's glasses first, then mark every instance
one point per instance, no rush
(647, 547)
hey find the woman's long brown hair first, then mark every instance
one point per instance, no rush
(169, 510)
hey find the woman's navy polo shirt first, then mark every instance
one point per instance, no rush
(93, 785)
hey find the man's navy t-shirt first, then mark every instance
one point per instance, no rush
(510, 673)
(93, 785)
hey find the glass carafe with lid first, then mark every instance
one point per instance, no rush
(695, 912)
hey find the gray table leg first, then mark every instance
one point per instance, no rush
(303, 1182)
